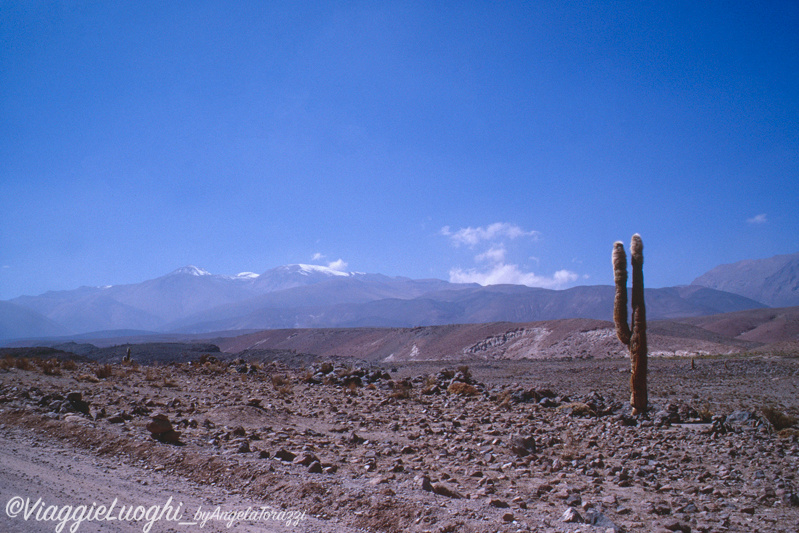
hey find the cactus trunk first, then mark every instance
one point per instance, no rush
(634, 337)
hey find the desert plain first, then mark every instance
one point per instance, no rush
(340, 444)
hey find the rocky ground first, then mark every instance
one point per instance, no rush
(500, 446)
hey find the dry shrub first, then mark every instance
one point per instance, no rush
(104, 371)
(151, 374)
(462, 389)
(778, 419)
(504, 400)
(789, 433)
(577, 409)
(351, 389)
(464, 369)
(6, 363)
(279, 381)
(49, 367)
(214, 368)
(401, 393)
(705, 414)
(401, 390)
(23, 363)
(69, 364)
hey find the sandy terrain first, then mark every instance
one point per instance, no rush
(504, 446)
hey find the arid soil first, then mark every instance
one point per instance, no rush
(499, 446)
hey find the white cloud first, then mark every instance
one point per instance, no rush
(339, 265)
(492, 257)
(502, 273)
(757, 219)
(317, 256)
(496, 254)
(471, 236)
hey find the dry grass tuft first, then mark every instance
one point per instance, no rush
(282, 384)
(23, 363)
(778, 419)
(104, 371)
(462, 389)
(49, 367)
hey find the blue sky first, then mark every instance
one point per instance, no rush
(473, 141)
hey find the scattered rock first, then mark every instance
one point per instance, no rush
(285, 455)
(161, 429)
(305, 459)
(523, 446)
(571, 515)
(678, 526)
(443, 489)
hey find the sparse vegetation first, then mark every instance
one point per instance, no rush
(401, 390)
(23, 363)
(50, 367)
(282, 384)
(462, 389)
(104, 371)
(777, 418)
(7, 362)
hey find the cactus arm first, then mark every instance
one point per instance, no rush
(638, 344)
(620, 300)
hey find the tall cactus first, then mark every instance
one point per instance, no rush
(635, 338)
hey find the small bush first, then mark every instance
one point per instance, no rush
(705, 414)
(23, 363)
(504, 400)
(462, 389)
(778, 419)
(69, 364)
(104, 371)
(50, 367)
(401, 389)
(279, 381)
(213, 368)
(400, 394)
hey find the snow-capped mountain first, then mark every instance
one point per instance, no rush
(193, 300)
(191, 270)
(289, 276)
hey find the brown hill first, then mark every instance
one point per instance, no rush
(568, 338)
(756, 325)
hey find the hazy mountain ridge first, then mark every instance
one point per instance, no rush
(191, 300)
(773, 281)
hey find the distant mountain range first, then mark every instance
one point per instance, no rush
(191, 300)
(773, 281)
